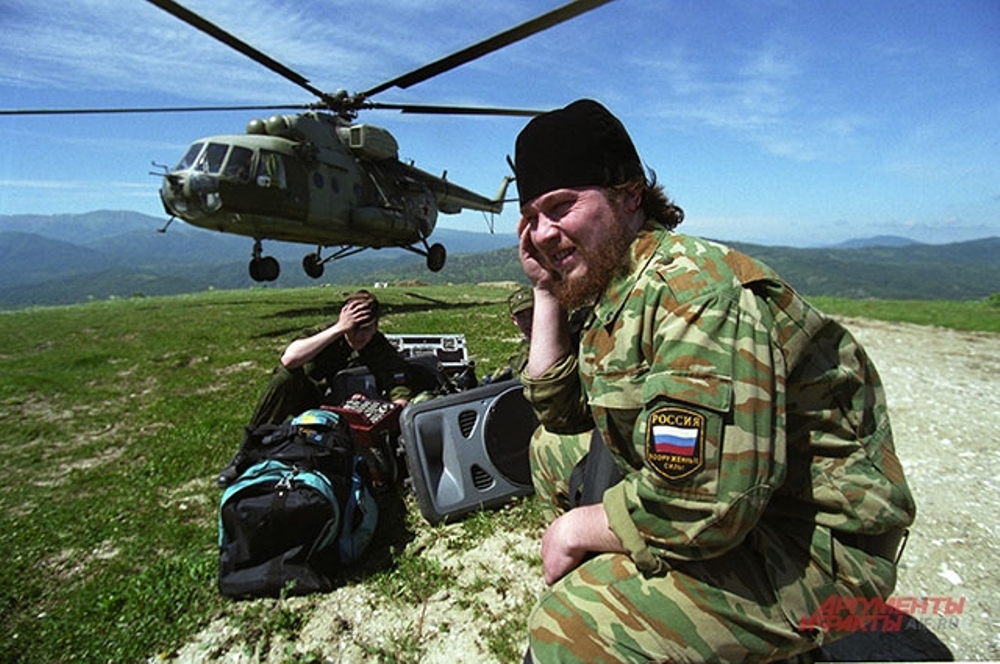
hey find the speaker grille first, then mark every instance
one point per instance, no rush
(481, 479)
(467, 422)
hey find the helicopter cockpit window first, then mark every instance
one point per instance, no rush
(271, 170)
(211, 160)
(238, 166)
(188, 159)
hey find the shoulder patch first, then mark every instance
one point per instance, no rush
(675, 442)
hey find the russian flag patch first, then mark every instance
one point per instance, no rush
(675, 441)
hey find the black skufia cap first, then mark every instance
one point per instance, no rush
(580, 145)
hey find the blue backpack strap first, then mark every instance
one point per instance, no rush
(355, 539)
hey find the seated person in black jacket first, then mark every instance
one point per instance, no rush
(308, 367)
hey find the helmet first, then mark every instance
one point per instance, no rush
(317, 418)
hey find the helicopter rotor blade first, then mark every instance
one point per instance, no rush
(234, 42)
(340, 102)
(489, 45)
(431, 109)
(162, 109)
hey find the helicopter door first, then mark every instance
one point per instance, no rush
(297, 199)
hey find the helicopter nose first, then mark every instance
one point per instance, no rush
(172, 195)
(191, 195)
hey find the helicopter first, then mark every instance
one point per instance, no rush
(312, 178)
(318, 176)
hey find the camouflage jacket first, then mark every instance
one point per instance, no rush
(729, 401)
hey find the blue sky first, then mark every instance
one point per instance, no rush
(775, 121)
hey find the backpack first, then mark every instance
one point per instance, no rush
(300, 512)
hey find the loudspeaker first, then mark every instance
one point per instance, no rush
(469, 450)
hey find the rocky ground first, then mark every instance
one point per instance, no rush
(944, 395)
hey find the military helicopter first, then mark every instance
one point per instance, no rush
(319, 177)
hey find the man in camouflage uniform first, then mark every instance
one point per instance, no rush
(752, 430)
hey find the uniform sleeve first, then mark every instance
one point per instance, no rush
(557, 398)
(329, 361)
(710, 429)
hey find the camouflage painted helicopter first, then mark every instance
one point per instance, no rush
(318, 177)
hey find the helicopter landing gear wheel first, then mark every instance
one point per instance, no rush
(271, 268)
(436, 255)
(312, 264)
(264, 269)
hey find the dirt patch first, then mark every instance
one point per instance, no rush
(944, 395)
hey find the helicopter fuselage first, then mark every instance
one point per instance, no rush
(317, 179)
(308, 178)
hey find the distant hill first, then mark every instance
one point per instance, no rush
(62, 259)
(876, 241)
(956, 271)
(118, 232)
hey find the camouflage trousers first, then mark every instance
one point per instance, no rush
(751, 604)
(553, 457)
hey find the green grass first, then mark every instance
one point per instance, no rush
(116, 416)
(968, 315)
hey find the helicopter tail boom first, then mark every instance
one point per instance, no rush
(452, 198)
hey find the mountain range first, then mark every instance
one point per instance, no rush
(63, 259)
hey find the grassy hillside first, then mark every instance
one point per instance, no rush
(117, 415)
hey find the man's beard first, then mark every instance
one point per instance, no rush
(603, 266)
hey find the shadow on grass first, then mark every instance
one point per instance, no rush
(320, 315)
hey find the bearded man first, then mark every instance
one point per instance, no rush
(760, 481)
